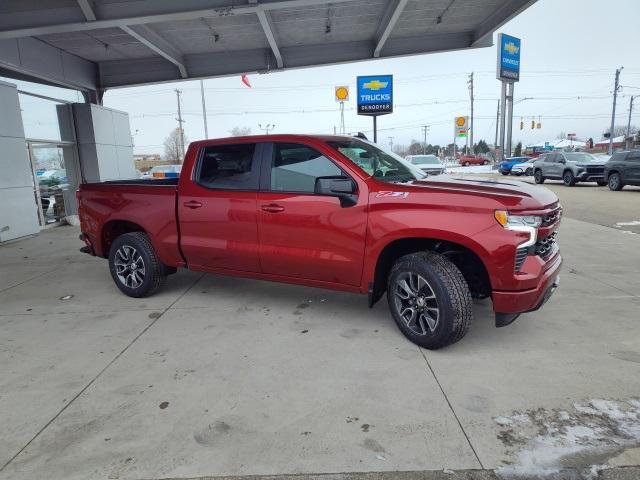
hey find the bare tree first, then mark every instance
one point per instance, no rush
(620, 130)
(240, 131)
(173, 148)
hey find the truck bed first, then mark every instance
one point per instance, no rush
(108, 209)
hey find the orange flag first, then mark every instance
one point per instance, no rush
(245, 80)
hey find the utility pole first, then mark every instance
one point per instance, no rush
(204, 110)
(180, 129)
(391, 143)
(267, 127)
(628, 121)
(613, 112)
(425, 130)
(470, 82)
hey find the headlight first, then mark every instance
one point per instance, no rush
(520, 223)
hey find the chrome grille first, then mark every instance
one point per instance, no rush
(544, 246)
(551, 217)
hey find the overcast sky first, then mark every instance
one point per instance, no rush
(570, 49)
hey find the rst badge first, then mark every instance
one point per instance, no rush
(388, 193)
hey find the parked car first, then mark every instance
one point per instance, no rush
(334, 212)
(570, 167)
(466, 160)
(623, 169)
(165, 171)
(524, 168)
(506, 165)
(429, 164)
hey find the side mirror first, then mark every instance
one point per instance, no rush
(341, 187)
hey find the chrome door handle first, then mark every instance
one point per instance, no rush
(272, 208)
(192, 204)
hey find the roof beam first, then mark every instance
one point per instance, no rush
(140, 71)
(87, 10)
(267, 26)
(155, 42)
(156, 16)
(483, 35)
(389, 20)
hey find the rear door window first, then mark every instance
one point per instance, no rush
(634, 156)
(228, 167)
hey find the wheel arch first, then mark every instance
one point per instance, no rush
(468, 261)
(113, 229)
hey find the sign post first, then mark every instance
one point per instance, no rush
(341, 93)
(375, 97)
(508, 72)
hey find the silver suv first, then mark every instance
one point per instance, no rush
(570, 167)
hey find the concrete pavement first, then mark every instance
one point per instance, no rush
(223, 376)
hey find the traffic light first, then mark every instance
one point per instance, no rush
(533, 124)
(521, 124)
(539, 125)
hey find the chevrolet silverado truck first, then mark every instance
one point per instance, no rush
(333, 212)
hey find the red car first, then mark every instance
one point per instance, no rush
(466, 160)
(333, 212)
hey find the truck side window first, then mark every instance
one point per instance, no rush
(634, 156)
(295, 168)
(229, 167)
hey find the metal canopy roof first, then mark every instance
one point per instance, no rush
(99, 44)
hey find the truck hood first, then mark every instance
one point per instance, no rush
(590, 164)
(512, 194)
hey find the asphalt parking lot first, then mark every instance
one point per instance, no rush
(218, 376)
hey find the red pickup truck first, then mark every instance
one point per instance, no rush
(333, 212)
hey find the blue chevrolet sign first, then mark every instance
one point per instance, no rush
(508, 58)
(375, 94)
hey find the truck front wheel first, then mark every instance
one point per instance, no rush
(134, 266)
(429, 300)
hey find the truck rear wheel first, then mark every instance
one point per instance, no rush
(134, 266)
(429, 299)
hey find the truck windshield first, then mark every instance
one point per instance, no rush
(380, 164)
(424, 159)
(580, 157)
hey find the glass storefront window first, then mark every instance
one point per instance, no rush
(45, 119)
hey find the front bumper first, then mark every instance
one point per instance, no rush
(511, 303)
(589, 176)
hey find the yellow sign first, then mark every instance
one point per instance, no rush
(375, 85)
(461, 125)
(342, 93)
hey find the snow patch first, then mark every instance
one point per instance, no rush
(558, 444)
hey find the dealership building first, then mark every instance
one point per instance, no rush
(57, 58)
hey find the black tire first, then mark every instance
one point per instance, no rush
(615, 182)
(601, 183)
(568, 179)
(147, 276)
(443, 288)
(486, 162)
(505, 173)
(465, 164)
(538, 177)
(529, 172)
